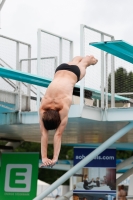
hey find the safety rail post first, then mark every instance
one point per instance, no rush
(60, 50)
(82, 82)
(86, 160)
(71, 50)
(106, 88)
(102, 74)
(38, 65)
(55, 63)
(112, 79)
(20, 94)
(29, 71)
(17, 82)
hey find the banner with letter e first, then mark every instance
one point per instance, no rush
(18, 176)
(97, 179)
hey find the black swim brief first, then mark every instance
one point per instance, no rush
(72, 68)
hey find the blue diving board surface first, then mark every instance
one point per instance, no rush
(44, 82)
(24, 77)
(117, 48)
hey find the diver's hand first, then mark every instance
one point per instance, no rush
(54, 160)
(46, 162)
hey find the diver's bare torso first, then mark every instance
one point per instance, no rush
(60, 90)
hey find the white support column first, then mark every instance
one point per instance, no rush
(82, 82)
(102, 74)
(20, 95)
(60, 51)
(38, 65)
(55, 63)
(71, 50)
(112, 80)
(106, 88)
(29, 71)
(17, 83)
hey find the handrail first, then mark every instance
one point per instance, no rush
(53, 34)
(5, 63)
(14, 40)
(93, 29)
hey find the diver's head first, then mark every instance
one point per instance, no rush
(51, 119)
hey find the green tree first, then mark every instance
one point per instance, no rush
(123, 81)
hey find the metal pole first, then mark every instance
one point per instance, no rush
(112, 80)
(29, 71)
(106, 64)
(55, 63)
(17, 83)
(124, 176)
(82, 82)
(55, 35)
(124, 163)
(97, 103)
(95, 30)
(14, 40)
(20, 94)
(102, 75)
(60, 51)
(17, 56)
(86, 160)
(38, 65)
(71, 51)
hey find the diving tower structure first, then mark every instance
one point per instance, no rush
(93, 126)
(116, 116)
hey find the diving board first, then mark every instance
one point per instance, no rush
(24, 77)
(117, 48)
(44, 82)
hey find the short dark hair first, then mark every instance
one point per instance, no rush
(51, 119)
(122, 187)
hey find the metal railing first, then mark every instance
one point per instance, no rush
(17, 57)
(59, 55)
(82, 53)
(31, 90)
